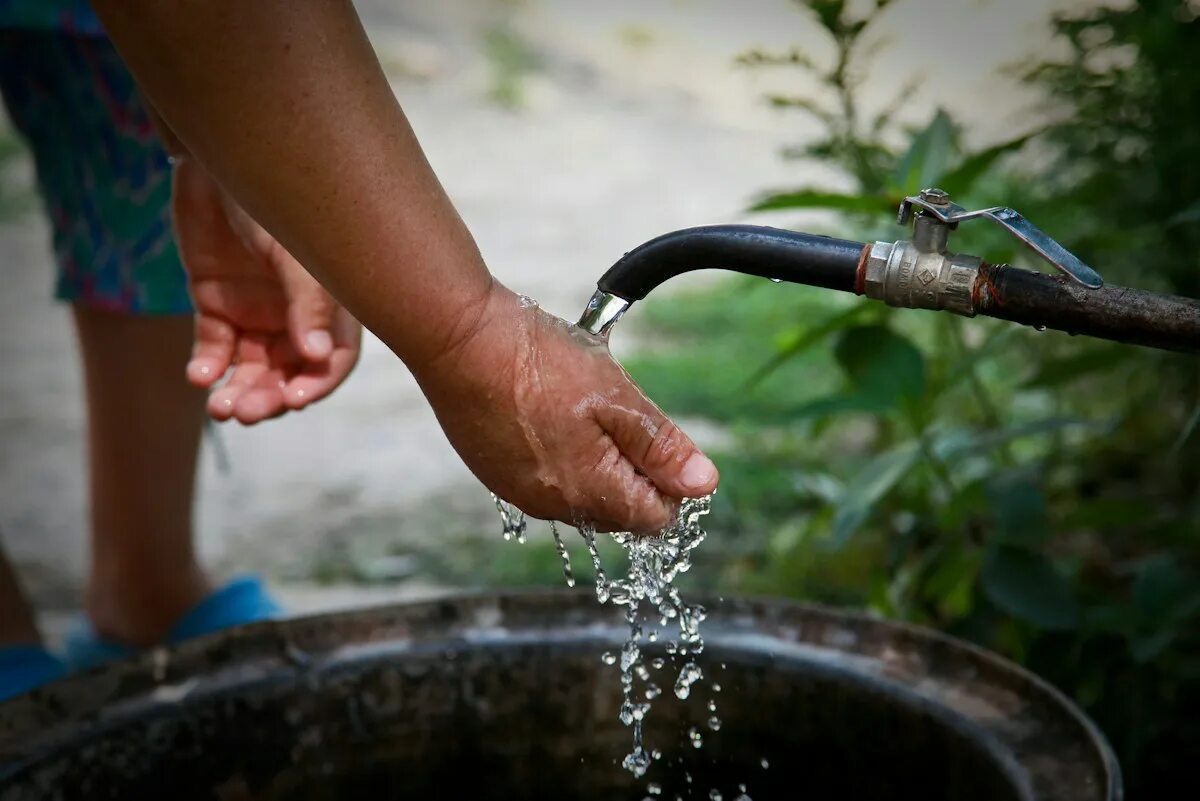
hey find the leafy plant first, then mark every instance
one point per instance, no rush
(1036, 493)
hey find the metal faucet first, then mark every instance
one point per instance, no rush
(917, 273)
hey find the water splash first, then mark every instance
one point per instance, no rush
(648, 592)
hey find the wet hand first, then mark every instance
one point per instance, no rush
(543, 415)
(258, 311)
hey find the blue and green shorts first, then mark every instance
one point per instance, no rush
(103, 175)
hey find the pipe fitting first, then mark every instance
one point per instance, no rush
(602, 312)
(901, 274)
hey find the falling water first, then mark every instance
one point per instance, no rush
(512, 518)
(562, 554)
(649, 594)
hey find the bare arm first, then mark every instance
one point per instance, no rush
(286, 105)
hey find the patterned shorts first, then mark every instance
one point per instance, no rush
(102, 173)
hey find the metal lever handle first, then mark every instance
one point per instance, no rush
(939, 205)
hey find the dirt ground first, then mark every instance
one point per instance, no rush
(567, 132)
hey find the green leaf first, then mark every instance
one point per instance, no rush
(819, 199)
(1019, 510)
(1188, 429)
(951, 580)
(1026, 585)
(1160, 587)
(925, 161)
(957, 442)
(803, 104)
(806, 338)
(881, 364)
(1190, 214)
(1060, 372)
(841, 404)
(961, 179)
(829, 13)
(871, 483)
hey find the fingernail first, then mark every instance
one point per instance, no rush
(318, 343)
(697, 472)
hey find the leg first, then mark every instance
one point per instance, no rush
(16, 619)
(24, 663)
(144, 425)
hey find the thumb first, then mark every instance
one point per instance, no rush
(658, 448)
(311, 311)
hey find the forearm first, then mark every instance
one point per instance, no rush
(287, 107)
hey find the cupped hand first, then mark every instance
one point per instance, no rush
(543, 415)
(258, 311)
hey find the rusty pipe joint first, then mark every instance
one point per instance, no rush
(903, 274)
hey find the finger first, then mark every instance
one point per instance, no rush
(252, 364)
(616, 497)
(260, 403)
(311, 311)
(317, 380)
(657, 448)
(212, 351)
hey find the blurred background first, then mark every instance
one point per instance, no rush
(1035, 493)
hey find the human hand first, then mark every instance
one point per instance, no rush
(543, 415)
(257, 310)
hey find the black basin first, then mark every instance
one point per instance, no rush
(505, 697)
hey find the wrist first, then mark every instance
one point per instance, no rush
(465, 328)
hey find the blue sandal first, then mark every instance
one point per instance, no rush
(24, 667)
(243, 600)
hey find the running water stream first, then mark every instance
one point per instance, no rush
(652, 602)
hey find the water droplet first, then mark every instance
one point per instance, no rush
(777, 280)
(1039, 328)
(765, 764)
(689, 674)
(716, 688)
(715, 795)
(696, 737)
(562, 554)
(637, 763)
(512, 520)
(608, 658)
(714, 723)
(654, 789)
(712, 706)
(652, 691)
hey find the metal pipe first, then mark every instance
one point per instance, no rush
(1120, 314)
(1116, 313)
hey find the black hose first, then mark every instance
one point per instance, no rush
(755, 250)
(1116, 313)
(1134, 316)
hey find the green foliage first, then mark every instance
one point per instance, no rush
(512, 60)
(1037, 493)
